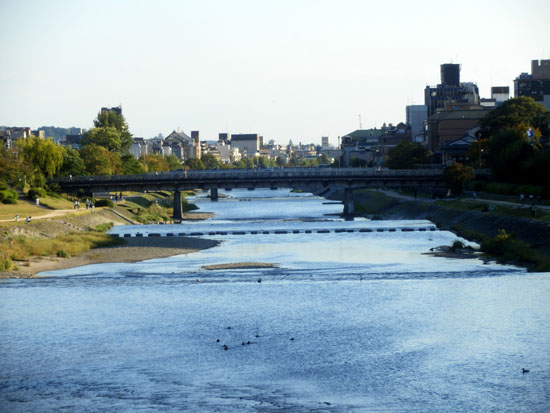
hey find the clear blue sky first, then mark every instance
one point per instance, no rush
(287, 69)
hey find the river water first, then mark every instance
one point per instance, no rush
(347, 321)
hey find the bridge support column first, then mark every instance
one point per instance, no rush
(214, 194)
(178, 216)
(348, 202)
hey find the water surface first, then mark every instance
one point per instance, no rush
(346, 322)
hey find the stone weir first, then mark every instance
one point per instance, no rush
(277, 232)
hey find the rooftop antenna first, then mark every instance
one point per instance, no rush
(360, 123)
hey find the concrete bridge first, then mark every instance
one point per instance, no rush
(303, 178)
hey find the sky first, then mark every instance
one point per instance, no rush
(285, 69)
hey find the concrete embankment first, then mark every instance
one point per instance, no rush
(475, 225)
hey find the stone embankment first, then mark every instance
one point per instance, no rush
(474, 225)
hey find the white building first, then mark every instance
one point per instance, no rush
(248, 144)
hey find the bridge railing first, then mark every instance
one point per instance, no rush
(252, 174)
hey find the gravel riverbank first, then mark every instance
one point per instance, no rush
(135, 249)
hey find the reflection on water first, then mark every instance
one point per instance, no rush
(346, 322)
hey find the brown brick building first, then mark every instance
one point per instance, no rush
(452, 124)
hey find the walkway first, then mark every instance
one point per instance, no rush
(479, 199)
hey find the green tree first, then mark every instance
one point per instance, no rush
(478, 153)
(111, 119)
(264, 162)
(209, 161)
(509, 151)
(358, 163)
(519, 114)
(173, 162)
(280, 162)
(457, 175)
(537, 167)
(72, 163)
(99, 161)
(154, 163)
(13, 169)
(130, 165)
(107, 137)
(194, 163)
(406, 155)
(324, 159)
(43, 157)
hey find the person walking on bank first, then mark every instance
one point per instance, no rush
(16, 218)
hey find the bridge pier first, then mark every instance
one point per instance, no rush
(214, 194)
(348, 202)
(178, 213)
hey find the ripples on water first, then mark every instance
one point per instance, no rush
(347, 322)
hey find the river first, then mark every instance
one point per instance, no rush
(345, 322)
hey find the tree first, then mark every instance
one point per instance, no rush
(110, 131)
(358, 163)
(13, 169)
(509, 151)
(108, 137)
(324, 159)
(519, 114)
(99, 161)
(112, 119)
(209, 161)
(130, 165)
(406, 155)
(72, 163)
(154, 163)
(264, 162)
(537, 167)
(173, 162)
(194, 163)
(478, 153)
(457, 175)
(43, 157)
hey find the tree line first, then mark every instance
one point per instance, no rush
(105, 151)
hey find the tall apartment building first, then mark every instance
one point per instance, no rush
(450, 90)
(416, 119)
(536, 84)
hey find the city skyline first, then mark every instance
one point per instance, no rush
(287, 71)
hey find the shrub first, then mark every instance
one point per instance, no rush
(104, 203)
(499, 188)
(36, 193)
(528, 190)
(8, 196)
(457, 245)
(104, 227)
(6, 264)
(62, 254)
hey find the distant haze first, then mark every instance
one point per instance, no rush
(299, 69)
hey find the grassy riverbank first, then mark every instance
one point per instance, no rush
(506, 233)
(62, 238)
